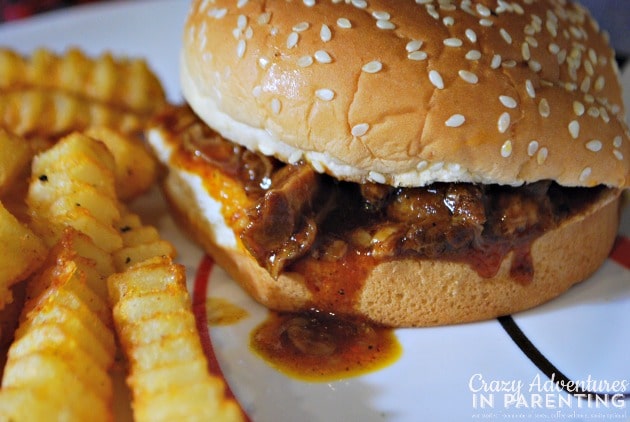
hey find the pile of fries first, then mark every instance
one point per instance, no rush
(81, 277)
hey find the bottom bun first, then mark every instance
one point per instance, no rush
(408, 293)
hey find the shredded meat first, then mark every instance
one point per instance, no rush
(282, 227)
(300, 213)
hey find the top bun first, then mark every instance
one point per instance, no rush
(413, 92)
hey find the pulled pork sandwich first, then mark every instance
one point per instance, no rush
(410, 162)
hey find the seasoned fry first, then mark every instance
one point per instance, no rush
(34, 112)
(139, 243)
(72, 184)
(122, 83)
(136, 168)
(25, 254)
(64, 346)
(168, 378)
(15, 156)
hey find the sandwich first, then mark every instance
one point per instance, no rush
(412, 163)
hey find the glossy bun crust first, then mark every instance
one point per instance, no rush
(412, 92)
(406, 293)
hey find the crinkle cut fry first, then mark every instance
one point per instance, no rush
(123, 83)
(154, 292)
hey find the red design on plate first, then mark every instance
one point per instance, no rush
(199, 296)
(621, 252)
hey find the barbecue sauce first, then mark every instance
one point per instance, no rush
(321, 347)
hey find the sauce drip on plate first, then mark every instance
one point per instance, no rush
(316, 346)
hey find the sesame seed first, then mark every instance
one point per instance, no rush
(264, 18)
(578, 108)
(604, 114)
(469, 77)
(257, 91)
(593, 111)
(325, 34)
(542, 155)
(263, 62)
(471, 35)
(241, 22)
(432, 12)
(585, 86)
(309, 3)
(532, 147)
(507, 101)
(473, 55)
(456, 120)
(380, 14)
(385, 24)
(448, 21)
(594, 145)
(325, 94)
(422, 165)
(509, 63)
(275, 106)
(574, 129)
(529, 88)
(506, 36)
(496, 61)
(534, 65)
(485, 22)
(305, 61)
(599, 83)
(543, 108)
(376, 177)
(301, 27)
(527, 55)
(344, 23)
(360, 4)
(240, 48)
(217, 13)
(588, 66)
(322, 57)
(436, 79)
(413, 45)
(585, 174)
(292, 39)
(532, 41)
(506, 149)
(372, 67)
(249, 33)
(553, 48)
(360, 129)
(241, 3)
(618, 154)
(417, 55)
(483, 10)
(504, 122)
(617, 141)
(453, 42)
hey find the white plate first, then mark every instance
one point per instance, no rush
(582, 334)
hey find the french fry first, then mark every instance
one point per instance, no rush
(139, 243)
(21, 253)
(72, 185)
(136, 168)
(64, 346)
(34, 112)
(121, 82)
(168, 377)
(15, 157)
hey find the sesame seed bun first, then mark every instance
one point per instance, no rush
(413, 93)
(405, 94)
